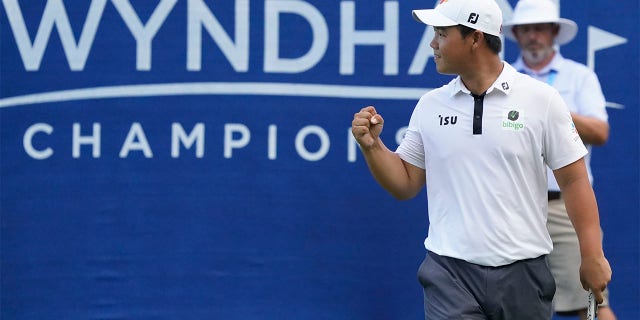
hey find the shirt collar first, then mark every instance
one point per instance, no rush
(554, 65)
(502, 83)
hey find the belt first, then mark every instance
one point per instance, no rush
(554, 195)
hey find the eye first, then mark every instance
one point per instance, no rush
(439, 32)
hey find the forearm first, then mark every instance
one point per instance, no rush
(582, 209)
(390, 171)
(591, 130)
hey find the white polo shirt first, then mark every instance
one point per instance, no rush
(580, 90)
(487, 192)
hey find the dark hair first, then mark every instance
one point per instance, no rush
(493, 42)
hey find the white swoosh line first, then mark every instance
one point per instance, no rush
(218, 88)
(614, 105)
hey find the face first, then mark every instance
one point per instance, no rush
(449, 49)
(536, 41)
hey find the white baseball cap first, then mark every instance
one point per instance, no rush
(541, 11)
(482, 15)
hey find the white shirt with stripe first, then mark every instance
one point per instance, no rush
(487, 193)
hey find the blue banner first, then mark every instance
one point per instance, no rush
(192, 159)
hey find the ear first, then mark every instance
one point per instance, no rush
(477, 37)
(515, 32)
(555, 29)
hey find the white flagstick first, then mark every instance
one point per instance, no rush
(592, 309)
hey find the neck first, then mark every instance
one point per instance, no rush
(482, 77)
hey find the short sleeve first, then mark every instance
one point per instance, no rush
(411, 148)
(562, 144)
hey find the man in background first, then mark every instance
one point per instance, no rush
(538, 29)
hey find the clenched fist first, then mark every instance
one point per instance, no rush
(366, 126)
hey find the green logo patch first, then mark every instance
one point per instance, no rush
(512, 123)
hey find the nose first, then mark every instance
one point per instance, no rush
(530, 34)
(433, 44)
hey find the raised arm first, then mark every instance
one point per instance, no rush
(401, 179)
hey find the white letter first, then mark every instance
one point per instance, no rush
(324, 143)
(273, 142)
(28, 137)
(349, 37)
(179, 135)
(272, 60)
(229, 143)
(352, 145)
(143, 34)
(423, 53)
(200, 15)
(136, 132)
(92, 140)
(54, 13)
(400, 134)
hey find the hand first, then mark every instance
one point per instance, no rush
(595, 274)
(367, 126)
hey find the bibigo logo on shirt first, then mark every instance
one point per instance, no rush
(510, 121)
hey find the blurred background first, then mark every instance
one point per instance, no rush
(178, 159)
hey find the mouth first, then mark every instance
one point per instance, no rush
(533, 46)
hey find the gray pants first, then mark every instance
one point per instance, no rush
(456, 289)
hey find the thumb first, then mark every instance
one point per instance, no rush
(376, 119)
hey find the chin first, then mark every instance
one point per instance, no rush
(443, 70)
(440, 68)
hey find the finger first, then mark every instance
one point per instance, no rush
(360, 122)
(362, 135)
(363, 116)
(598, 295)
(369, 109)
(359, 131)
(367, 112)
(377, 119)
